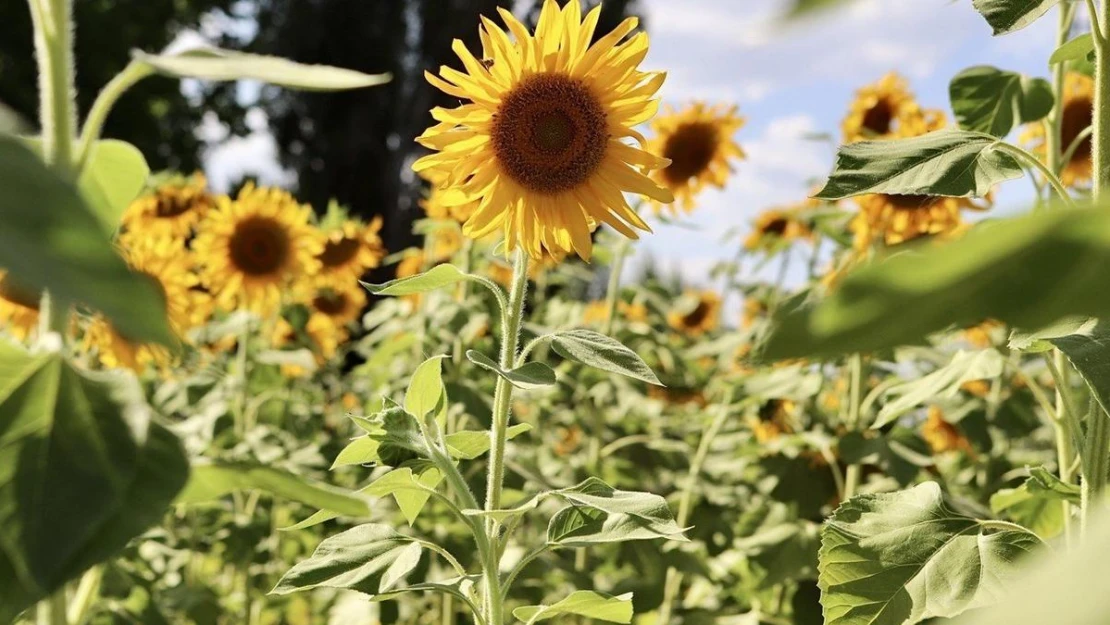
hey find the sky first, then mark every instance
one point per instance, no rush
(791, 82)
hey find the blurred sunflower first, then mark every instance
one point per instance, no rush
(174, 208)
(446, 242)
(883, 110)
(1077, 115)
(772, 420)
(255, 248)
(540, 142)
(696, 313)
(19, 308)
(777, 226)
(984, 335)
(320, 335)
(943, 436)
(753, 310)
(597, 312)
(698, 143)
(165, 262)
(342, 304)
(350, 249)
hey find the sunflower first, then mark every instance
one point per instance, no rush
(540, 141)
(773, 420)
(676, 396)
(884, 110)
(597, 312)
(341, 303)
(350, 249)
(698, 143)
(19, 308)
(1076, 116)
(696, 313)
(776, 226)
(164, 262)
(446, 202)
(321, 336)
(941, 435)
(985, 334)
(445, 243)
(174, 208)
(893, 219)
(753, 310)
(255, 247)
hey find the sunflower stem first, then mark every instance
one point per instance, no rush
(852, 423)
(502, 400)
(1047, 170)
(53, 26)
(98, 114)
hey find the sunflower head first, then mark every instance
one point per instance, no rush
(174, 208)
(445, 202)
(696, 313)
(539, 142)
(698, 142)
(884, 110)
(256, 247)
(1076, 116)
(19, 308)
(778, 226)
(341, 304)
(350, 249)
(773, 420)
(113, 350)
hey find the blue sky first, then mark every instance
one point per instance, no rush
(789, 80)
(799, 79)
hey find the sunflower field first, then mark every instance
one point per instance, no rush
(892, 407)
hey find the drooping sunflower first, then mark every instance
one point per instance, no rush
(883, 110)
(255, 247)
(698, 142)
(350, 249)
(777, 226)
(172, 209)
(164, 262)
(1076, 116)
(19, 308)
(540, 141)
(696, 313)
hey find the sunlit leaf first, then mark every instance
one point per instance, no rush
(585, 603)
(472, 444)
(216, 64)
(369, 558)
(435, 278)
(993, 101)
(601, 352)
(114, 175)
(213, 480)
(528, 376)
(1006, 16)
(944, 382)
(1075, 50)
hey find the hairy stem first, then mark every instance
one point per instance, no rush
(54, 53)
(855, 384)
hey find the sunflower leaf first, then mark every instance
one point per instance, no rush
(990, 100)
(217, 64)
(213, 480)
(1075, 50)
(1007, 16)
(435, 278)
(369, 558)
(954, 163)
(530, 375)
(1009, 270)
(586, 603)
(601, 352)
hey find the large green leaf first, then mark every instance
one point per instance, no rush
(990, 100)
(528, 376)
(213, 480)
(52, 240)
(369, 558)
(1013, 271)
(83, 469)
(1089, 353)
(435, 278)
(410, 487)
(426, 393)
(586, 603)
(216, 64)
(944, 382)
(1039, 504)
(601, 352)
(901, 558)
(582, 526)
(649, 510)
(947, 162)
(1006, 16)
(1074, 50)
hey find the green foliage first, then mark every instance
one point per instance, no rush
(83, 470)
(435, 278)
(213, 480)
(944, 382)
(993, 101)
(530, 375)
(586, 603)
(370, 558)
(215, 64)
(53, 241)
(945, 162)
(1077, 49)
(909, 556)
(1007, 16)
(601, 352)
(1009, 271)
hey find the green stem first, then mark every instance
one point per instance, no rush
(673, 581)
(502, 400)
(1100, 140)
(852, 422)
(52, 610)
(87, 591)
(1052, 128)
(1096, 461)
(98, 114)
(53, 24)
(1047, 170)
(613, 291)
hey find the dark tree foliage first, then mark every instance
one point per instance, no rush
(357, 146)
(154, 116)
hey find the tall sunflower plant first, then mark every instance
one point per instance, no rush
(81, 435)
(926, 304)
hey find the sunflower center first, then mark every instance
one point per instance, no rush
(879, 118)
(776, 226)
(770, 410)
(17, 294)
(550, 133)
(330, 302)
(691, 148)
(172, 204)
(339, 253)
(697, 316)
(1076, 118)
(911, 202)
(259, 246)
